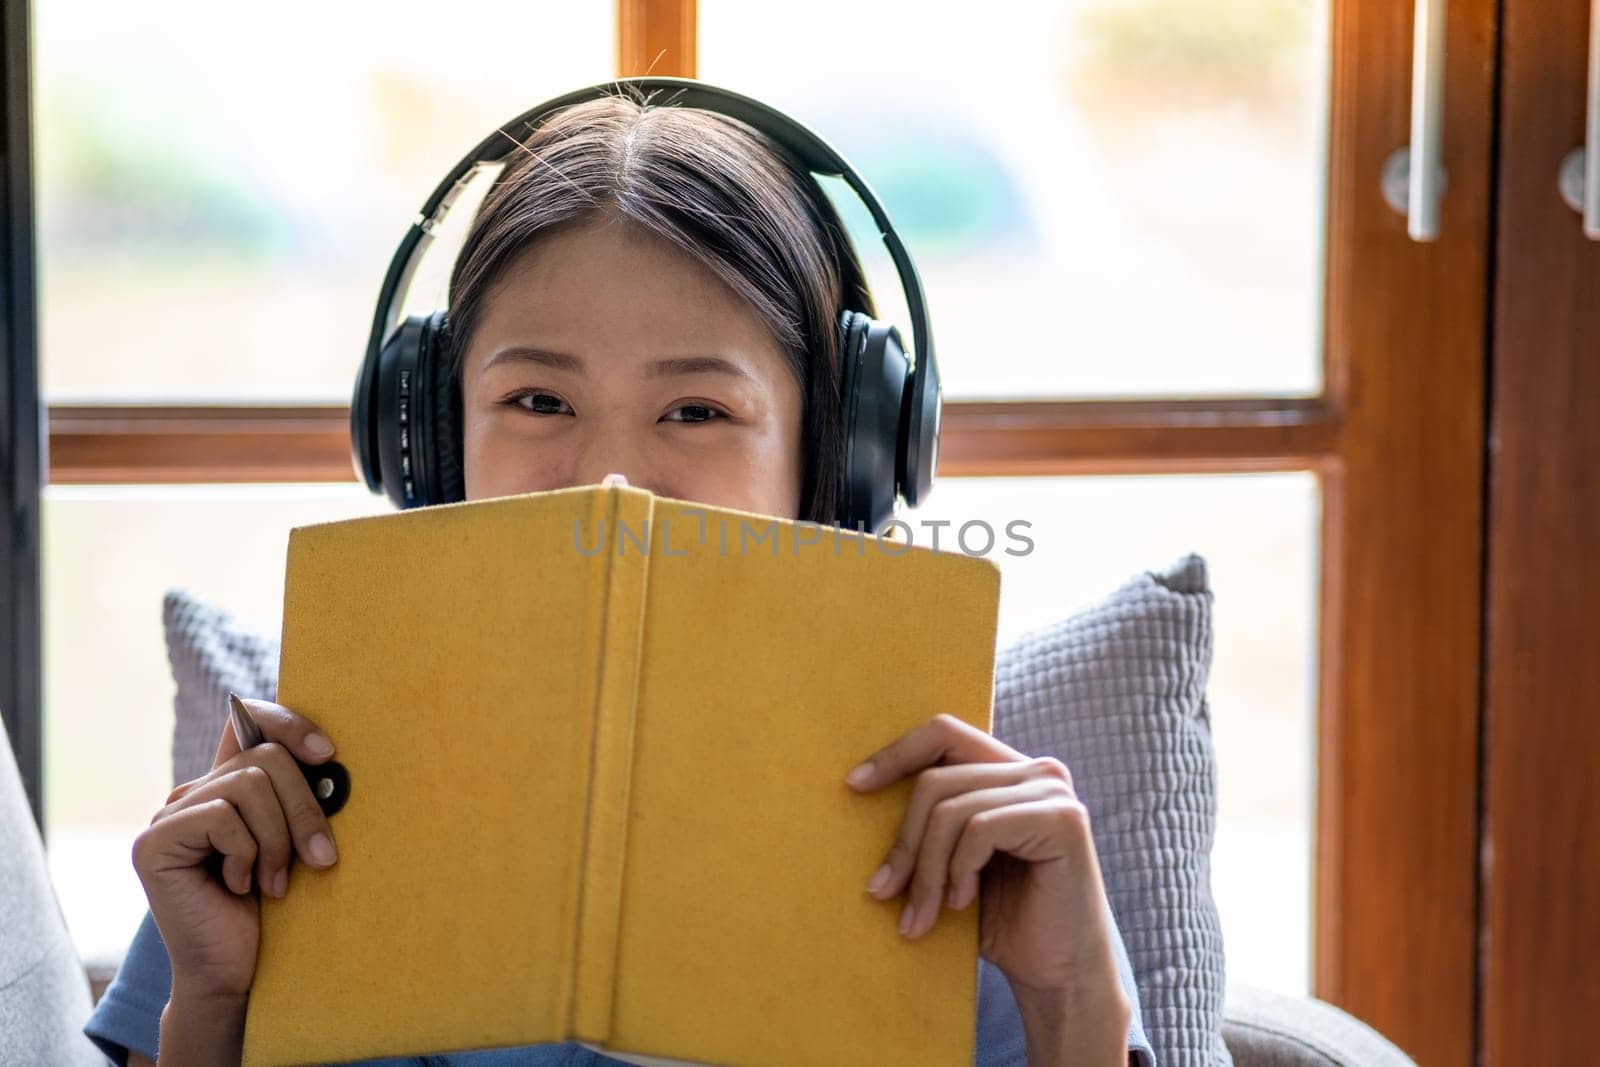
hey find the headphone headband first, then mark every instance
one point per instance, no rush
(818, 156)
(902, 462)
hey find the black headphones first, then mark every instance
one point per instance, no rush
(405, 416)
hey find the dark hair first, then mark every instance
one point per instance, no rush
(721, 191)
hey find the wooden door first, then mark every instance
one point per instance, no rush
(1540, 863)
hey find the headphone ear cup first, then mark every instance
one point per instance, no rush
(851, 339)
(871, 419)
(392, 418)
(405, 418)
(919, 443)
(443, 474)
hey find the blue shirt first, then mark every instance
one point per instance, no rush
(129, 1016)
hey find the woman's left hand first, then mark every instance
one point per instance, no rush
(983, 813)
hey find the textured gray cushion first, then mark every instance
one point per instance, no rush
(1272, 1030)
(211, 652)
(44, 995)
(1117, 693)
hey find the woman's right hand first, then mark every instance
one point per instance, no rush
(256, 810)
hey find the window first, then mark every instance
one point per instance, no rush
(108, 730)
(214, 220)
(1258, 534)
(1166, 286)
(1083, 185)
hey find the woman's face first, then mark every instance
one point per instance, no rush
(604, 348)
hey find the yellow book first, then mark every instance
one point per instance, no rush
(597, 742)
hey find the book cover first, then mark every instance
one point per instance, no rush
(597, 742)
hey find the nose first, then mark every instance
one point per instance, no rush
(603, 457)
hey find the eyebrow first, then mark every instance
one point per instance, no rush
(677, 365)
(523, 354)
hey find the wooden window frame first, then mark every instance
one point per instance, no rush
(1397, 440)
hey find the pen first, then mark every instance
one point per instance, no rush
(329, 782)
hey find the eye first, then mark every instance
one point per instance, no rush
(542, 403)
(695, 413)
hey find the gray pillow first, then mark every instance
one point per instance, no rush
(1117, 693)
(211, 652)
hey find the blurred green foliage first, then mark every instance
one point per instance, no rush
(122, 164)
(945, 188)
(1193, 38)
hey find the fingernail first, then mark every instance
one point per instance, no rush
(321, 848)
(880, 878)
(906, 917)
(859, 776)
(318, 745)
(280, 882)
(953, 897)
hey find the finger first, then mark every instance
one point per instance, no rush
(278, 723)
(1041, 832)
(308, 826)
(191, 835)
(946, 825)
(936, 784)
(942, 739)
(249, 787)
(309, 829)
(179, 791)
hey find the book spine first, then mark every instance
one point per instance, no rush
(616, 673)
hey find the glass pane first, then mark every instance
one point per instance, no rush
(108, 688)
(215, 220)
(1104, 197)
(1259, 535)
(107, 685)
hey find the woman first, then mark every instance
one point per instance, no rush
(653, 292)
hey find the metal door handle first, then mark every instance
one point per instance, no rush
(1413, 178)
(1580, 170)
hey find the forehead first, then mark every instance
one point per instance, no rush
(610, 287)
